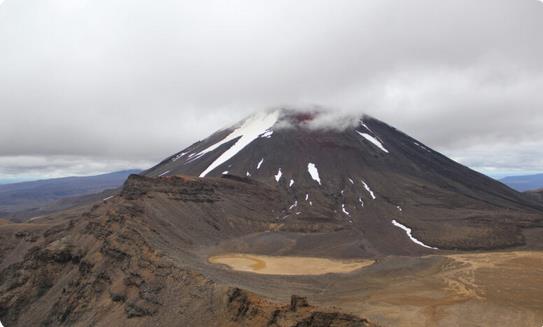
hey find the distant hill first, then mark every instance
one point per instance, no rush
(27, 199)
(524, 183)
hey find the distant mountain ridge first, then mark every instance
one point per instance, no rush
(26, 199)
(524, 183)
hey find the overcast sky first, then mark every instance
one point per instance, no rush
(89, 86)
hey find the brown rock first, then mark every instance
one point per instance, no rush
(298, 302)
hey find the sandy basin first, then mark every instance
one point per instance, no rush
(286, 265)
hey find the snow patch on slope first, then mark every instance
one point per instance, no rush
(192, 157)
(312, 169)
(177, 157)
(164, 173)
(259, 164)
(408, 232)
(366, 186)
(278, 176)
(422, 147)
(250, 130)
(267, 134)
(345, 210)
(291, 183)
(346, 213)
(373, 140)
(366, 127)
(294, 205)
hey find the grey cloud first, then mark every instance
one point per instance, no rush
(132, 81)
(39, 167)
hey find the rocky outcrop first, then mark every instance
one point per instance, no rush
(247, 309)
(298, 302)
(178, 188)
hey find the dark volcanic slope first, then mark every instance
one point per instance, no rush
(537, 195)
(368, 176)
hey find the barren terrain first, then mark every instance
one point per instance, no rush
(471, 289)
